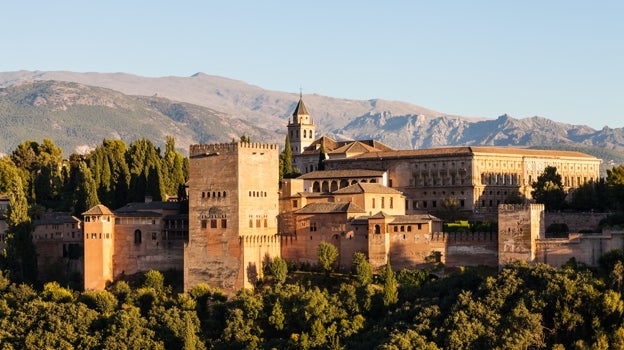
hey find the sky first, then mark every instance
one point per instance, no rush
(563, 60)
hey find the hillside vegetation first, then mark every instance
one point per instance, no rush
(78, 117)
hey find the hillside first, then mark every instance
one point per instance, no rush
(77, 117)
(215, 109)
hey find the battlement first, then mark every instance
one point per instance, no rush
(216, 149)
(259, 239)
(512, 208)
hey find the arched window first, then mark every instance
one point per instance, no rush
(377, 229)
(137, 237)
(316, 187)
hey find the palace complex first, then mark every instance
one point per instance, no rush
(369, 198)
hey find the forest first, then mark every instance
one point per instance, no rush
(520, 307)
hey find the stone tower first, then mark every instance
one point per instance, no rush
(98, 228)
(519, 228)
(233, 208)
(301, 129)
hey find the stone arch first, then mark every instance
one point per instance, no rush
(325, 186)
(344, 183)
(334, 186)
(316, 187)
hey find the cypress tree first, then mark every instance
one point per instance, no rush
(390, 290)
(287, 156)
(322, 157)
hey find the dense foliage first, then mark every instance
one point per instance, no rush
(521, 307)
(112, 174)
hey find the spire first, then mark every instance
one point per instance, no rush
(300, 109)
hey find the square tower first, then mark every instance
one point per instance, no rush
(99, 249)
(233, 208)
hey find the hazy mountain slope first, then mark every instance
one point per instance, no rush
(76, 116)
(247, 109)
(265, 108)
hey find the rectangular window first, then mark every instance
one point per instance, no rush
(392, 203)
(461, 203)
(312, 226)
(424, 204)
(204, 223)
(213, 223)
(382, 202)
(373, 203)
(433, 203)
(266, 222)
(419, 226)
(409, 228)
(396, 228)
(295, 203)
(223, 223)
(154, 236)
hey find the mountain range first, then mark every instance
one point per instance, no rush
(78, 110)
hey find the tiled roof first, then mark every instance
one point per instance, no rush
(416, 218)
(138, 214)
(325, 208)
(366, 188)
(98, 210)
(337, 174)
(300, 109)
(332, 146)
(56, 219)
(155, 205)
(468, 151)
(380, 215)
(328, 143)
(354, 147)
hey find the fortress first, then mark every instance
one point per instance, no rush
(370, 198)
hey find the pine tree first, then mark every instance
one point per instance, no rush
(322, 157)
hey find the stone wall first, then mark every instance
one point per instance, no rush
(584, 248)
(577, 222)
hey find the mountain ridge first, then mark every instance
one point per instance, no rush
(263, 114)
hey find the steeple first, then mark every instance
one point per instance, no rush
(301, 113)
(301, 130)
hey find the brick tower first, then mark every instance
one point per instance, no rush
(233, 207)
(98, 228)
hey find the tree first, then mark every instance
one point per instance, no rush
(278, 269)
(322, 157)
(363, 269)
(327, 255)
(548, 189)
(85, 193)
(615, 183)
(390, 290)
(593, 195)
(19, 254)
(287, 157)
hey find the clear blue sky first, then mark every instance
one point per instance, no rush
(563, 60)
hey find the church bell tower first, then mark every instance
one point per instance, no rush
(301, 128)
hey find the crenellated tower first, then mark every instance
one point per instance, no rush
(233, 207)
